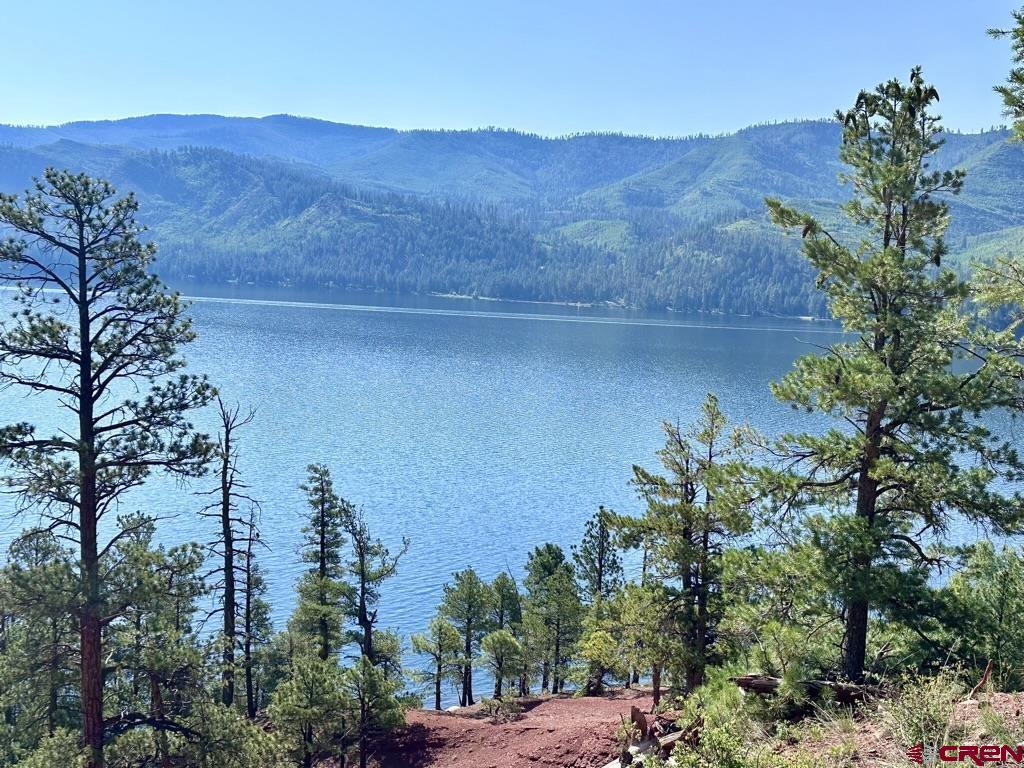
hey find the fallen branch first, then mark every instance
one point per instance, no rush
(844, 693)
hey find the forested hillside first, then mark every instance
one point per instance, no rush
(657, 223)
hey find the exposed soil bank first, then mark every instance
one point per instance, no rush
(560, 732)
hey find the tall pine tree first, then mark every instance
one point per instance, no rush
(909, 452)
(688, 523)
(99, 334)
(323, 593)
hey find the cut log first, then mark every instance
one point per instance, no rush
(689, 735)
(844, 693)
(762, 685)
(666, 742)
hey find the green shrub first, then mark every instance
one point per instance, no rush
(502, 710)
(228, 740)
(60, 750)
(719, 747)
(718, 702)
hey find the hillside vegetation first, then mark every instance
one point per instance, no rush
(656, 223)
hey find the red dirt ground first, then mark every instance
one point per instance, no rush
(557, 731)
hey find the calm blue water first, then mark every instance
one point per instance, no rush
(476, 429)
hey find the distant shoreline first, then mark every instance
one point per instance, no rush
(451, 295)
(184, 286)
(619, 305)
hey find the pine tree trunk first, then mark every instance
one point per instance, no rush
(855, 649)
(467, 669)
(695, 674)
(92, 689)
(656, 683)
(467, 686)
(364, 727)
(227, 534)
(5, 623)
(856, 638)
(556, 666)
(322, 571)
(227, 692)
(307, 744)
(437, 687)
(250, 688)
(365, 623)
(250, 691)
(90, 620)
(51, 700)
(497, 680)
(856, 634)
(159, 736)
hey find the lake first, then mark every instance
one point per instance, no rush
(477, 429)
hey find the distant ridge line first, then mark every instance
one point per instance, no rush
(491, 129)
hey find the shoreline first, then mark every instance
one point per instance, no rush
(616, 305)
(454, 296)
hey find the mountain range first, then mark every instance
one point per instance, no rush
(639, 221)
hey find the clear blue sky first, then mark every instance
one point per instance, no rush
(549, 66)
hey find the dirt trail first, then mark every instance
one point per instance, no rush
(559, 732)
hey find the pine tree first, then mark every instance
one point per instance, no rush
(600, 650)
(535, 659)
(501, 653)
(1012, 91)
(227, 739)
(507, 610)
(256, 625)
(781, 614)
(999, 284)
(323, 593)
(467, 604)
(988, 596)
(313, 709)
(647, 627)
(597, 560)
(442, 645)
(229, 544)
(371, 565)
(37, 675)
(553, 603)
(159, 669)
(688, 522)
(376, 708)
(506, 614)
(94, 326)
(910, 451)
